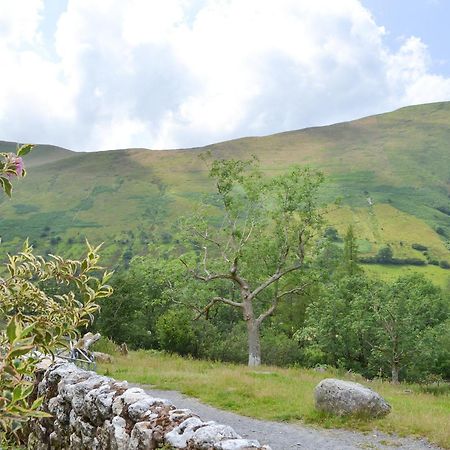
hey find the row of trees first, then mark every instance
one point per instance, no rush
(262, 273)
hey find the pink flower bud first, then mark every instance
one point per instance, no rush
(19, 165)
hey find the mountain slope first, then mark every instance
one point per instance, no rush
(392, 172)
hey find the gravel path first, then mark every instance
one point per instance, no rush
(282, 436)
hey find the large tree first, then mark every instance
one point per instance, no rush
(256, 245)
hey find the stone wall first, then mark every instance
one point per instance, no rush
(94, 412)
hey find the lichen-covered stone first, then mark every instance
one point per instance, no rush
(347, 398)
(180, 435)
(131, 395)
(59, 408)
(239, 444)
(142, 437)
(180, 415)
(142, 409)
(119, 437)
(206, 437)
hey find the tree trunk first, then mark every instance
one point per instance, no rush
(254, 345)
(253, 338)
(395, 371)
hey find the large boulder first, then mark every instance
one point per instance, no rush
(347, 398)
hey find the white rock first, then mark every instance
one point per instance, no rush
(79, 391)
(119, 437)
(59, 408)
(141, 437)
(179, 436)
(75, 442)
(180, 414)
(239, 444)
(140, 410)
(131, 395)
(207, 437)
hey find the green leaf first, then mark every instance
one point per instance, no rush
(11, 329)
(25, 149)
(28, 329)
(37, 403)
(20, 351)
(6, 185)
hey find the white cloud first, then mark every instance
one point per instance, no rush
(184, 73)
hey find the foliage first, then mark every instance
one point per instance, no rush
(36, 322)
(105, 345)
(385, 255)
(378, 328)
(339, 330)
(349, 265)
(141, 295)
(419, 247)
(405, 316)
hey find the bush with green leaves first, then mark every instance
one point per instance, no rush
(34, 321)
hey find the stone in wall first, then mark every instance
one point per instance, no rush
(93, 412)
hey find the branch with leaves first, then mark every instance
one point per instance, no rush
(35, 322)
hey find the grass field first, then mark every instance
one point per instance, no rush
(282, 394)
(440, 277)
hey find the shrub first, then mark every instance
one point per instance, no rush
(37, 322)
(444, 209)
(419, 247)
(105, 345)
(332, 234)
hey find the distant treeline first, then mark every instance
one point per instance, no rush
(386, 256)
(394, 261)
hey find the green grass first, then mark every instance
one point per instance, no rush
(440, 277)
(278, 394)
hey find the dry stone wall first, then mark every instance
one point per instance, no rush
(93, 412)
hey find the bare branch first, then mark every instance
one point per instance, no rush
(275, 277)
(268, 313)
(276, 299)
(295, 290)
(215, 300)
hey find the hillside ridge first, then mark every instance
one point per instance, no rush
(130, 197)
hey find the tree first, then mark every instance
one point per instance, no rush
(257, 246)
(340, 326)
(130, 314)
(349, 265)
(410, 307)
(385, 255)
(34, 321)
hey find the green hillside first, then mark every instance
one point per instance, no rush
(392, 172)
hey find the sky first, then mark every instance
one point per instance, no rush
(104, 74)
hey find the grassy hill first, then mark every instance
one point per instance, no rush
(392, 172)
